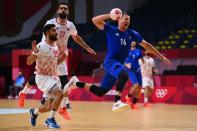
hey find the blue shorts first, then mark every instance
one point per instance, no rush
(113, 67)
(108, 82)
(112, 71)
(135, 77)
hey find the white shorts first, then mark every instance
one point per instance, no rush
(147, 82)
(48, 84)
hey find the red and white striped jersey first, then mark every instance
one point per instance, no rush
(147, 64)
(46, 61)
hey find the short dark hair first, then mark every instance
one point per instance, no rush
(124, 13)
(48, 28)
(63, 3)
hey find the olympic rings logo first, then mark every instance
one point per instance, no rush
(160, 93)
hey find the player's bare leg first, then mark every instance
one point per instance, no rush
(51, 122)
(118, 105)
(136, 92)
(63, 111)
(147, 92)
(52, 107)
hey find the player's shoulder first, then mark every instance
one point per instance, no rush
(131, 31)
(138, 50)
(42, 44)
(108, 25)
(70, 23)
(51, 21)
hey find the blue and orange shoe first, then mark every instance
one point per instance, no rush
(51, 122)
(33, 117)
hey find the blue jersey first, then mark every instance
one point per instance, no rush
(134, 56)
(119, 43)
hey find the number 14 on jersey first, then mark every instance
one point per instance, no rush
(123, 42)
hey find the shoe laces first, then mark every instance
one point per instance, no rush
(54, 121)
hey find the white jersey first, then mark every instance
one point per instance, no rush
(46, 61)
(147, 65)
(64, 31)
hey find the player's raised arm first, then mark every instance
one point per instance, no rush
(152, 50)
(32, 57)
(99, 21)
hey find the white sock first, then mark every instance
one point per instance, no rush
(67, 100)
(63, 102)
(25, 89)
(66, 87)
(36, 112)
(145, 100)
(52, 114)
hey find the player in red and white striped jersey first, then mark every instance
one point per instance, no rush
(147, 65)
(65, 29)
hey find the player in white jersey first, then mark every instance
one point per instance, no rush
(47, 58)
(147, 66)
(65, 29)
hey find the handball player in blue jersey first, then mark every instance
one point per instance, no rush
(119, 39)
(134, 71)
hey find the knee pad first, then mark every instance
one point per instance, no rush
(98, 91)
(123, 75)
(122, 79)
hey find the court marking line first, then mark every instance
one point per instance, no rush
(4, 111)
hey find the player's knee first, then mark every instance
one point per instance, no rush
(123, 76)
(48, 107)
(61, 94)
(122, 79)
(150, 89)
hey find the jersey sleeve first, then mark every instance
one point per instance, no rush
(108, 28)
(43, 50)
(73, 30)
(136, 36)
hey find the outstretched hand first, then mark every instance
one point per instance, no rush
(91, 51)
(167, 61)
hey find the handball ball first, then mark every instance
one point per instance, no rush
(115, 13)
